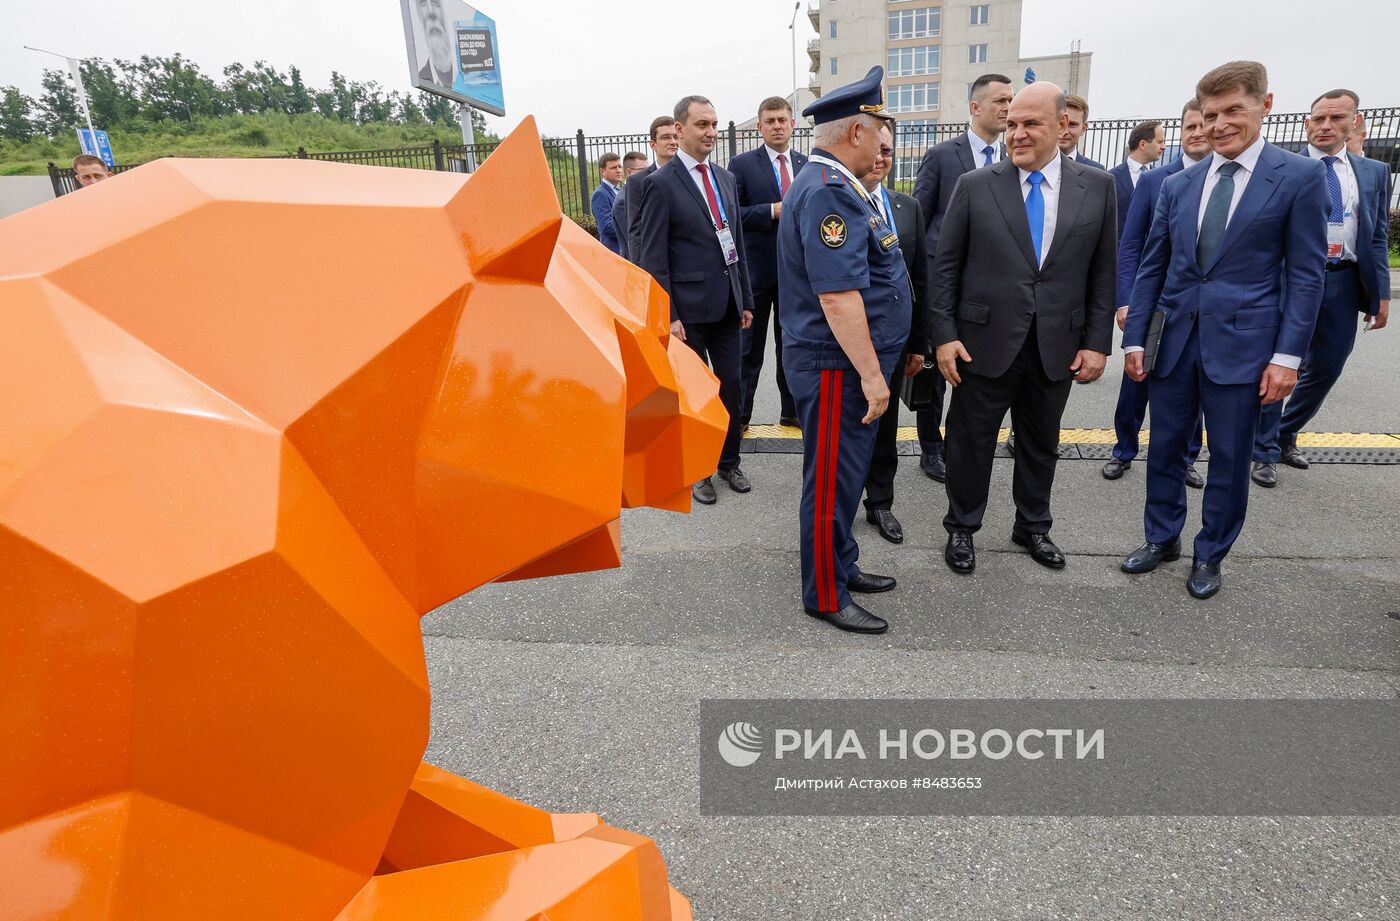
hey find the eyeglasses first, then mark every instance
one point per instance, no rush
(887, 152)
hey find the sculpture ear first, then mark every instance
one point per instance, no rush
(508, 213)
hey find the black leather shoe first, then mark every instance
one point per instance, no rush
(888, 525)
(704, 492)
(1042, 549)
(869, 583)
(1194, 478)
(1265, 475)
(959, 554)
(934, 467)
(1149, 556)
(852, 618)
(1204, 580)
(788, 420)
(1115, 468)
(1010, 442)
(736, 480)
(1295, 458)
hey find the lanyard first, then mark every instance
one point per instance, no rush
(889, 211)
(850, 179)
(773, 162)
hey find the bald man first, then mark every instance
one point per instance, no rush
(1022, 294)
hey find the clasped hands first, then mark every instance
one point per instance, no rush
(1087, 365)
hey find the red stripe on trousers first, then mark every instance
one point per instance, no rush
(821, 548)
(829, 514)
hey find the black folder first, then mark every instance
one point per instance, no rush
(917, 392)
(1154, 340)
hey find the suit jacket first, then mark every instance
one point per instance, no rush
(1087, 162)
(909, 224)
(680, 250)
(636, 189)
(758, 190)
(986, 287)
(939, 170)
(1261, 293)
(1137, 223)
(1372, 231)
(619, 221)
(602, 204)
(1123, 183)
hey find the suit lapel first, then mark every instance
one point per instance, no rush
(1006, 192)
(964, 147)
(683, 177)
(1262, 185)
(1364, 192)
(1072, 189)
(1190, 209)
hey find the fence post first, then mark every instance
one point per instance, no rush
(733, 140)
(57, 183)
(438, 163)
(301, 153)
(582, 173)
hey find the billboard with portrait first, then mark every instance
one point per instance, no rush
(453, 51)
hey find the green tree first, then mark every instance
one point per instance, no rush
(299, 99)
(174, 88)
(437, 109)
(58, 106)
(16, 115)
(112, 95)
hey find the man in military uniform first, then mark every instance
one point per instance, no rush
(841, 269)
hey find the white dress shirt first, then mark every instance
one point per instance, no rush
(777, 171)
(1050, 191)
(1248, 160)
(1351, 199)
(979, 145)
(1136, 169)
(690, 163)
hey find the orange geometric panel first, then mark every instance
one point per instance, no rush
(256, 418)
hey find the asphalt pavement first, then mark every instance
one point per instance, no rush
(580, 693)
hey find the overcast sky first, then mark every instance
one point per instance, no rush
(572, 68)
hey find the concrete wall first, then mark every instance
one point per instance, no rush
(20, 192)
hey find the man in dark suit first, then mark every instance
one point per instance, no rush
(1132, 395)
(610, 167)
(1145, 145)
(692, 243)
(665, 141)
(763, 176)
(1357, 279)
(633, 162)
(938, 173)
(1022, 295)
(902, 213)
(1234, 262)
(1078, 108)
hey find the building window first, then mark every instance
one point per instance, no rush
(911, 97)
(833, 67)
(977, 54)
(980, 14)
(921, 23)
(833, 28)
(912, 62)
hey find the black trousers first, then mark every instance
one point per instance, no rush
(975, 412)
(755, 343)
(884, 463)
(928, 421)
(718, 345)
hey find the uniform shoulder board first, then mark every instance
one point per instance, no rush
(832, 177)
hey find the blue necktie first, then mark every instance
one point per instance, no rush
(1334, 194)
(1035, 212)
(1216, 217)
(987, 155)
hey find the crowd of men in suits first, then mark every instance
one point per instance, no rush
(1236, 274)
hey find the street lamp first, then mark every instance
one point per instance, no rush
(75, 66)
(792, 27)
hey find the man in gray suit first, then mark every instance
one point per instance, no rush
(976, 148)
(1022, 294)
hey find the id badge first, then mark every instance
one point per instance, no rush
(726, 245)
(1334, 240)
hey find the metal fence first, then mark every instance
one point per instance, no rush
(573, 162)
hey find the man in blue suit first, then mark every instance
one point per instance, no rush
(763, 176)
(692, 243)
(633, 162)
(939, 170)
(1234, 265)
(665, 141)
(1132, 395)
(1145, 145)
(1078, 108)
(1358, 279)
(610, 166)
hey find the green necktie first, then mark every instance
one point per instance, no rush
(1216, 217)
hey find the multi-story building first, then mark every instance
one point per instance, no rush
(932, 50)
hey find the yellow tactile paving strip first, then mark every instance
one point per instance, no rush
(1106, 437)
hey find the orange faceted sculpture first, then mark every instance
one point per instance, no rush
(256, 417)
